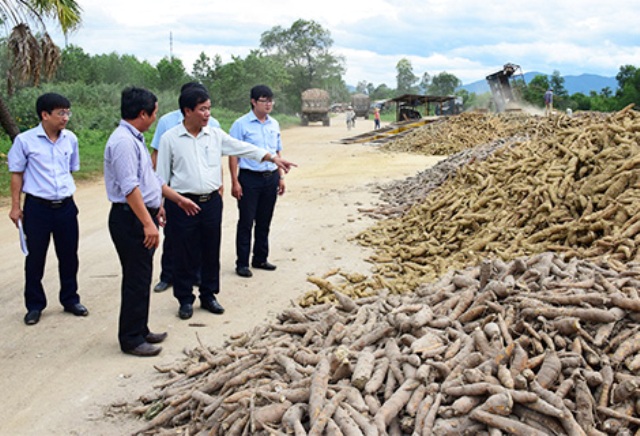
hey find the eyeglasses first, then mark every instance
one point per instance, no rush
(63, 114)
(265, 100)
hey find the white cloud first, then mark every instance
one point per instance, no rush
(466, 38)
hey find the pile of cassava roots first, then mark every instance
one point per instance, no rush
(503, 300)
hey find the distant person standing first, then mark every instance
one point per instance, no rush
(376, 118)
(166, 122)
(135, 192)
(350, 116)
(256, 185)
(548, 102)
(41, 161)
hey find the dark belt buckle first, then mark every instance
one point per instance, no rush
(56, 204)
(204, 198)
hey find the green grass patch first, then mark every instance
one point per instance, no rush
(5, 176)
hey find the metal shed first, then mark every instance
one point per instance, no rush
(408, 105)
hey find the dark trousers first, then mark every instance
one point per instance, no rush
(259, 195)
(136, 261)
(196, 242)
(40, 222)
(166, 261)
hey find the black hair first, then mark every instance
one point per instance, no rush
(50, 101)
(135, 100)
(192, 97)
(190, 85)
(260, 91)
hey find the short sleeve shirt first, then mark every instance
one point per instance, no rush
(265, 135)
(46, 165)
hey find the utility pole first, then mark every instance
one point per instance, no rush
(171, 45)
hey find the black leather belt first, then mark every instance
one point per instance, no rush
(53, 204)
(260, 173)
(153, 211)
(200, 198)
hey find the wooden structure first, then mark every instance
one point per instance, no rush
(388, 133)
(410, 107)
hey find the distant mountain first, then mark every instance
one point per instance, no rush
(584, 83)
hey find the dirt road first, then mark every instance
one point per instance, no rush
(61, 376)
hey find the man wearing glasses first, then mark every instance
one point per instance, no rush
(256, 185)
(41, 161)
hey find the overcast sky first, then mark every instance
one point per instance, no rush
(467, 38)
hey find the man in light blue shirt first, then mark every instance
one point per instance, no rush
(165, 123)
(256, 185)
(41, 161)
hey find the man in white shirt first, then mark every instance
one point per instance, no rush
(166, 122)
(189, 159)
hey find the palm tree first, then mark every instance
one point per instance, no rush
(33, 56)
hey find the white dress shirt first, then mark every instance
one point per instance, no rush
(191, 165)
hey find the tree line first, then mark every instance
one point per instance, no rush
(606, 100)
(289, 60)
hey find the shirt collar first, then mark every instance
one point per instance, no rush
(182, 130)
(135, 132)
(40, 132)
(253, 117)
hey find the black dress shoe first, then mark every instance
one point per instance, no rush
(145, 349)
(161, 286)
(211, 304)
(32, 317)
(77, 309)
(244, 272)
(186, 311)
(156, 338)
(264, 265)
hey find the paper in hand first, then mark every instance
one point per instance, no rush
(23, 239)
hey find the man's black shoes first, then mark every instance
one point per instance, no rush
(212, 305)
(77, 309)
(156, 338)
(264, 265)
(145, 349)
(32, 317)
(244, 271)
(161, 286)
(186, 311)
